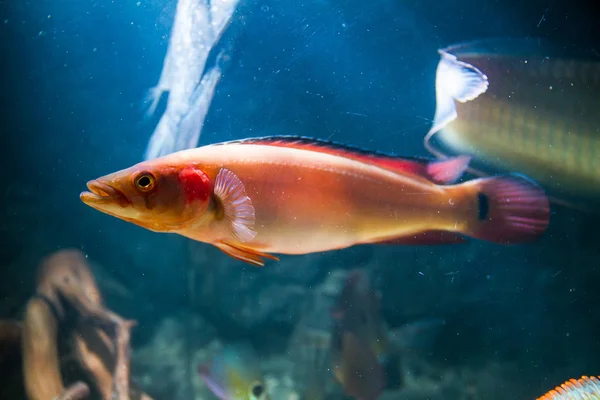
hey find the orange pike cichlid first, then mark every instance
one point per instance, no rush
(293, 195)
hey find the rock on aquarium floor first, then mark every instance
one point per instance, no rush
(167, 368)
(162, 368)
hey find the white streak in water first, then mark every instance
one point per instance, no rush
(197, 27)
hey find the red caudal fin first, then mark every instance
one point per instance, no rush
(510, 209)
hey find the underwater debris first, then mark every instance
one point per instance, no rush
(198, 26)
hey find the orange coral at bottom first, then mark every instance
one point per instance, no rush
(585, 388)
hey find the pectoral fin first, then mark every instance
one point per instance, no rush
(245, 254)
(238, 210)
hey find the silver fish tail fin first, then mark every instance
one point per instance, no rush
(455, 81)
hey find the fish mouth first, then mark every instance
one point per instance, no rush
(101, 193)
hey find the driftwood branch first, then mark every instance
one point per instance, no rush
(77, 391)
(41, 363)
(100, 337)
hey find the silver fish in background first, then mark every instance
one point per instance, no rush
(526, 106)
(197, 27)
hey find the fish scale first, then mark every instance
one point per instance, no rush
(550, 140)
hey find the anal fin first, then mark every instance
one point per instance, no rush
(246, 254)
(427, 238)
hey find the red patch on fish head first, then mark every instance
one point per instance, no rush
(196, 185)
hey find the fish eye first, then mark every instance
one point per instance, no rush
(145, 182)
(257, 390)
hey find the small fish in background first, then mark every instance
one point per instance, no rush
(359, 310)
(522, 105)
(356, 366)
(234, 373)
(249, 200)
(363, 345)
(585, 388)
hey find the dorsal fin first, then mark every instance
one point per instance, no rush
(446, 171)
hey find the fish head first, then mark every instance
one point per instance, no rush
(153, 195)
(234, 374)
